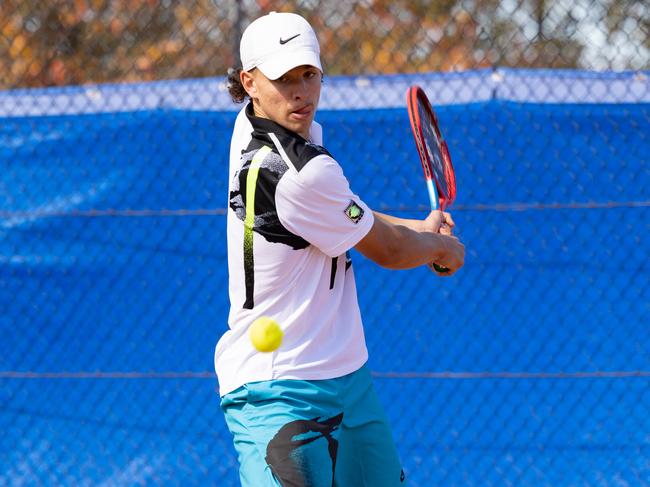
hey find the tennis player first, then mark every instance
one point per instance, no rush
(306, 414)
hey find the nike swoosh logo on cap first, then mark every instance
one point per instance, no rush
(284, 41)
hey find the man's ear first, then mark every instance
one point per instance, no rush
(248, 82)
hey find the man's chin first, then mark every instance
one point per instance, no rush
(301, 128)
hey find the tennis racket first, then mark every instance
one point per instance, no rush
(434, 154)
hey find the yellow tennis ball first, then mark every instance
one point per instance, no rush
(266, 334)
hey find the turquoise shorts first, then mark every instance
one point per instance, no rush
(317, 433)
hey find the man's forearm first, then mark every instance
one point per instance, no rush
(409, 223)
(412, 249)
(396, 246)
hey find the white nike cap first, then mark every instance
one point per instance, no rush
(277, 43)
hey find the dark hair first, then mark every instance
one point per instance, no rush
(235, 88)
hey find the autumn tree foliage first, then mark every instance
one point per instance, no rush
(66, 42)
(74, 42)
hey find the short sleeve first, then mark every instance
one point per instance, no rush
(317, 204)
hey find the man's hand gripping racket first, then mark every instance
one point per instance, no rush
(434, 155)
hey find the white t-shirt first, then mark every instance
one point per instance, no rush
(288, 260)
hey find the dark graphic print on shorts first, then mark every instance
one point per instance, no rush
(303, 452)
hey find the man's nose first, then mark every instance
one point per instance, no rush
(300, 89)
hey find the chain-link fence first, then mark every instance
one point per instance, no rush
(530, 367)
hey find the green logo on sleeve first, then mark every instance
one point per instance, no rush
(354, 212)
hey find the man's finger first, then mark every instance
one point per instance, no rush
(448, 219)
(446, 229)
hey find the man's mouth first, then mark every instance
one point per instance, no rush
(302, 112)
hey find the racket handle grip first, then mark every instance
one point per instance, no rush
(439, 268)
